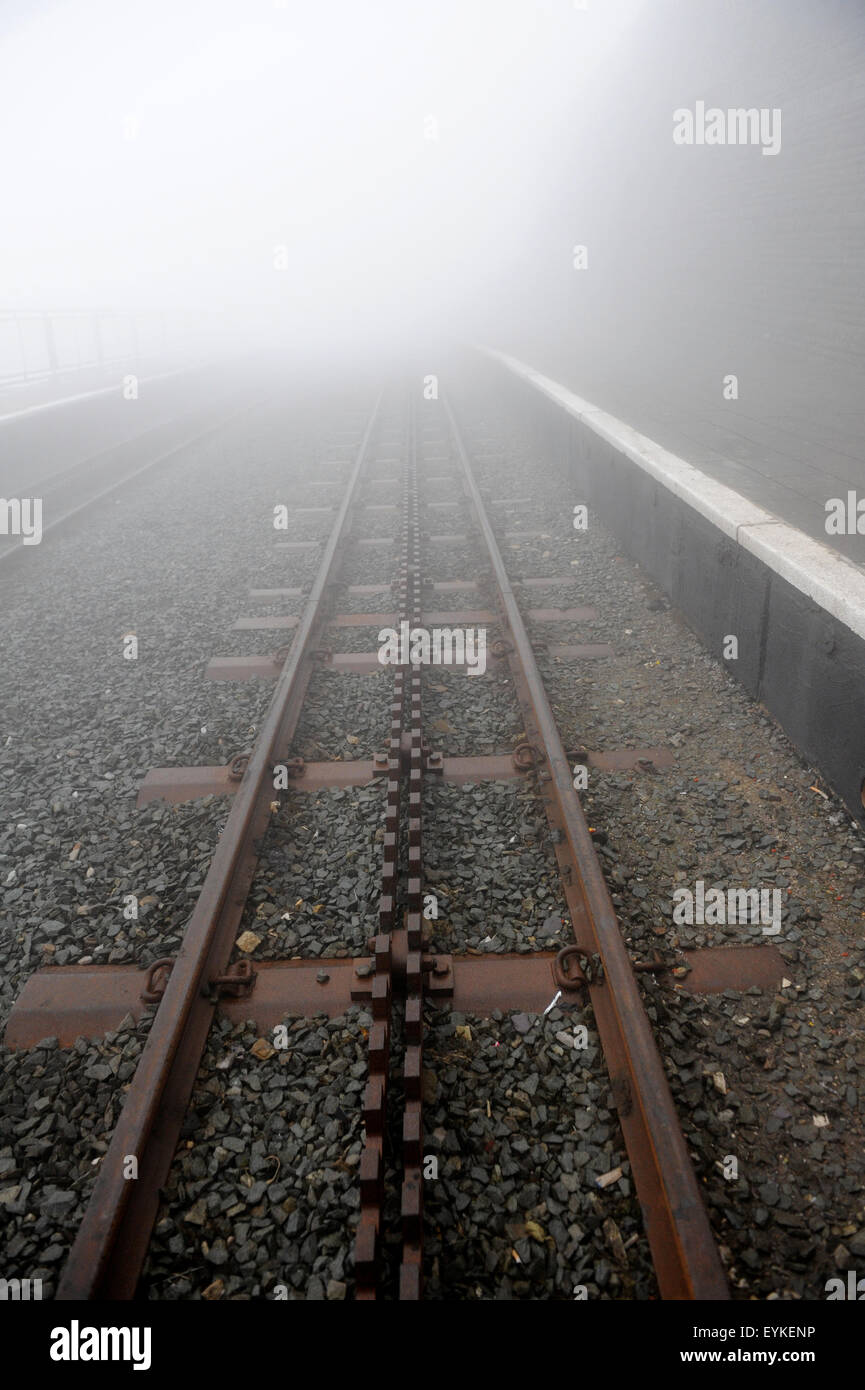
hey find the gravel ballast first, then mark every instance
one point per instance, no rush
(262, 1199)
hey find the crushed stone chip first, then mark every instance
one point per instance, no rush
(247, 941)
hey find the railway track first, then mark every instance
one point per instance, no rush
(401, 979)
(65, 495)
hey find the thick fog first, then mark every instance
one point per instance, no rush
(343, 179)
(330, 171)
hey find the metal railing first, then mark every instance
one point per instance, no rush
(35, 345)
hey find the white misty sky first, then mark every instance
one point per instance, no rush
(155, 152)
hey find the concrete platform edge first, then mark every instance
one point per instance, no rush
(730, 567)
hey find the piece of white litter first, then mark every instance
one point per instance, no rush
(785, 984)
(821, 1121)
(552, 1003)
(606, 1178)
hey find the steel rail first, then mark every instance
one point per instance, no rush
(112, 1240)
(684, 1253)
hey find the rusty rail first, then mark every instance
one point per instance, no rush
(111, 1243)
(685, 1256)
